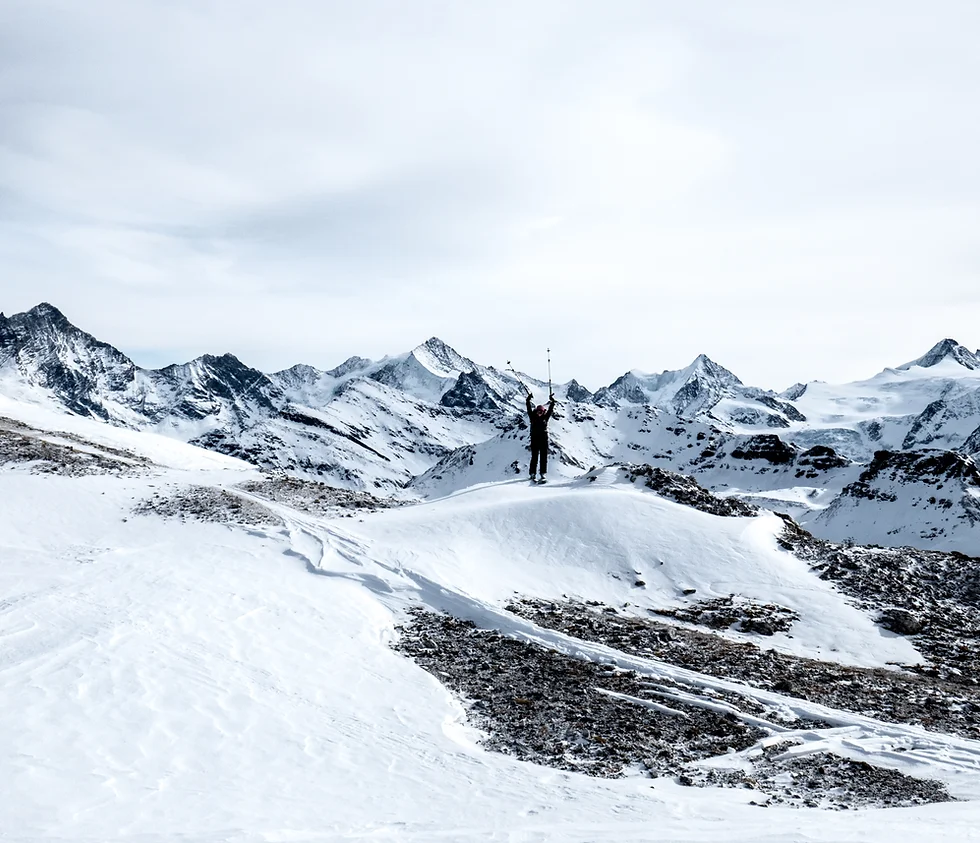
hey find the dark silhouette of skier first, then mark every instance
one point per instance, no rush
(539, 417)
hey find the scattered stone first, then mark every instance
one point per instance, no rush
(736, 613)
(315, 498)
(901, 621)
(823, 780)
(208, 504)
(63, 453)
(890, 695)
(934, 593)
(686, 490)
(549, 708)
(552, 709)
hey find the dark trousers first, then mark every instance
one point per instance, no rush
(539, 448)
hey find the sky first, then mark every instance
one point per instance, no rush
(792, 189)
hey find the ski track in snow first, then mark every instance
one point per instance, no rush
(187, 681)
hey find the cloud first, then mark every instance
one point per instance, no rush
(636, 183)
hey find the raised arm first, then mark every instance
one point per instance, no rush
(530, 411)
(551, 406)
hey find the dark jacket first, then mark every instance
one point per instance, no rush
(539, 424)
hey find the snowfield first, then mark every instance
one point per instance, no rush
(594, 540)
(206, 680)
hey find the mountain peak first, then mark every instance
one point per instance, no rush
(947, 349)
(351, 364)
(703, 363)
(45, 309)
(35, 327)
(441, 359)
(435, 344)
(685, 392)
(45, 314)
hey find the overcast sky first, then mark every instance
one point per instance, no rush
(792, 188)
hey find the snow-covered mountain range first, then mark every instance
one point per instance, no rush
(888, 460)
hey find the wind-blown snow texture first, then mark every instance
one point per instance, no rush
(886, 460)
(188, 651)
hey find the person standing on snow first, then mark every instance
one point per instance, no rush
(539, 417)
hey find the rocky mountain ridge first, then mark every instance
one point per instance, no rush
(431, 420)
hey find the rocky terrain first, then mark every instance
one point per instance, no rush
(734, 613)
(754, 731)
(314, 498)
(208, 504)
(61, 453)
(929, 595)
(686, 490)
(897, 696)
(552, 709)
(821, 780)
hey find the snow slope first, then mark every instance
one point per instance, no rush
(166, 680)
(593, 540)
(932, 401)
(163, 450)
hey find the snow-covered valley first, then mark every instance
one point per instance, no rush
(193, 649)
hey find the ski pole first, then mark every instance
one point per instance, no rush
(551, 392)
(510, 368)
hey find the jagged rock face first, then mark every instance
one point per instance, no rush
(947, 350)
(927, 499)
(90, 377)
(688, 491)
(822, 458)
(296, 376)
(687, 391)
(703, 391)
(470, 392)
(200, 388)
(929, 467)
(577, 392)
(754, 417)
(703, 388)
(351, 364)
(783, 407)
(765, 446)
(52, 353)
(971, 447)
(694, 393)
(945, 422)
(427, 372)
(624, 388)
(796, 391)
(436, 354)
